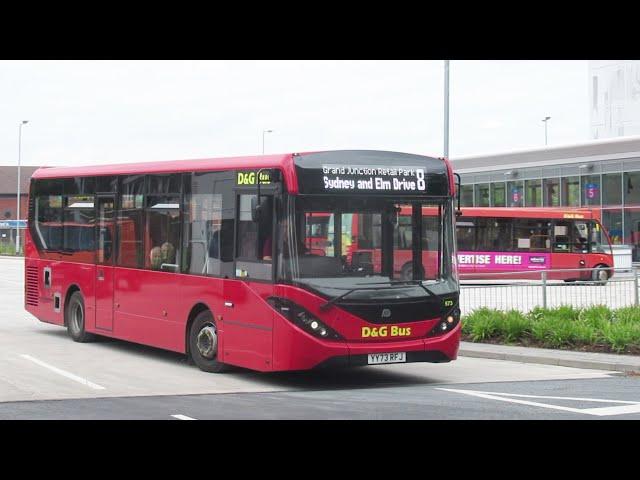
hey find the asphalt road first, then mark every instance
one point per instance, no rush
(43, 374)
(610, 398)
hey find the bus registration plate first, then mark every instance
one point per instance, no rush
(394, 357)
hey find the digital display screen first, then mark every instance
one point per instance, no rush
(358, 172)
(399, 179)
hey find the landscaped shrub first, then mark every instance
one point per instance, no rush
(562, 327)
(514, 326)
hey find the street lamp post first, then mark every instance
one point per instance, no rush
(18, 196)
(263, 132)
(446, 108)
(545, 128)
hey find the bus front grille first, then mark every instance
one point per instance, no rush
(31, 286)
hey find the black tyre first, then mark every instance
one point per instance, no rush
(74, 315)
(203, 344)
(600, 275)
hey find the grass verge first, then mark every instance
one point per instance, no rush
(593, 329)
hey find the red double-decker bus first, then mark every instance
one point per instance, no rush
(526, 240)
(216, 258)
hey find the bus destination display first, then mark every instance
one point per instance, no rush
(341, 178)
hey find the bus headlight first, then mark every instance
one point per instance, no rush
(303, 318)
(447, 323)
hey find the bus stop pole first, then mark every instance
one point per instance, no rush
(18, 195)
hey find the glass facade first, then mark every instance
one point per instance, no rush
(482, 195)
(515, 192)
(590, 190)
(466, 195)
(612, 186)
(612, 189)
(534, 193)
(570, 191)
(498, 197)
(632, 188)
(551, 192)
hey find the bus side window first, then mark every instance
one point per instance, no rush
(561, 238)
(163, 223)
(255, 237)
(209, 221)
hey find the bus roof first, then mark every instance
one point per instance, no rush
(168, 166)
(283, 162)
(531, 212)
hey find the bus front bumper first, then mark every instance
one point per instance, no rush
(440, 349)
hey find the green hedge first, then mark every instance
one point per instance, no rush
(595, 328)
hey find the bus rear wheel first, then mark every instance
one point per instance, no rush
(203, 343)
(75, 319)
(600, 275)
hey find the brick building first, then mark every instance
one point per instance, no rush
(8, 191)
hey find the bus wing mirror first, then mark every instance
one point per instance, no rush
(457, 193)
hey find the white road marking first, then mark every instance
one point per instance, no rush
(64, 373)
(182, 417)
(630, 407)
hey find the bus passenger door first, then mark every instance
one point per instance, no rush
(568, 252)
(104, 261)
(247, 318)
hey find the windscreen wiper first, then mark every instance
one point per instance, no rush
(61, 252)
(326, 305)
(408, 282)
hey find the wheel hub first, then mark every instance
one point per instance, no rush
(77, 317)
(207, 342)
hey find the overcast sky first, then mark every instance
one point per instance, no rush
(96, 112)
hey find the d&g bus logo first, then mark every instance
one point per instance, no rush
(249, 178)
(392, 331)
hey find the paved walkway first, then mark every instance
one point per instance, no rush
(598, 361)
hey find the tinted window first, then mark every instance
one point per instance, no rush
(79, 225)
(130, 222)
(466, 234)
(209, 223)
(247, 229)
(531, 235)
(48, 222)
(494, 234)
(163, 232)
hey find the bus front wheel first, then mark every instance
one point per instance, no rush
(203, 343)
(75, 319)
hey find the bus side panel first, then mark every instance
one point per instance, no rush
(83, 276)
(146, 308)
(599, 259)
(197, 289)
(62, 276)
(39, 300)
(247, 320)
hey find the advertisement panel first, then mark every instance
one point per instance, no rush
(503, 261)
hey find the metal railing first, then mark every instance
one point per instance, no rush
(508, 291)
